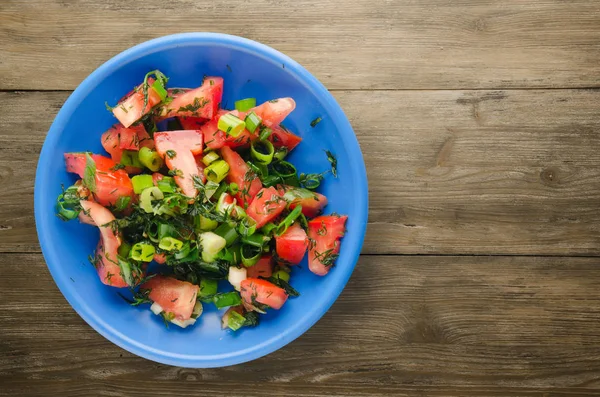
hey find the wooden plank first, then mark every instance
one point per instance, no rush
(465, 172)
(366, 44)
(403, 326)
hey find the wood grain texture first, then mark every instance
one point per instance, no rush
(357, 44)
(450, 172)
(474, 326)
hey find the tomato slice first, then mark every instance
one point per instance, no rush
(108, 246)
(256, 290)
(110, 184)
(266, 206)
(239, 173)
(291, 245)
(134, 138)
(174, 296)
(199, 102)
(324, 233)
(111, 142)
(192, 123)
(131, 108)
(312, 202)
(275, 111)
(178, 149)
(216, 139)
(200, 166)
(262, 268)
(281, 137)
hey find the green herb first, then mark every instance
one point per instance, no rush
(195, 106)
(118, 167)
(171, 153)
(327, 258)
(333, 160)
(316, 121)
(176, 172)
(122, 203)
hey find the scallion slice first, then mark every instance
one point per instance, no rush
(280, 153)
(208, 288)
(210, 157)
(141, 182)
(243, 105)
(289, 220)
(231, 125)
(147, 196)
(256, 239)
(235, 320)
(264, 134)
(148, 158)
(262, 151)
(217, 171)
(227, 299)
(142, 252)
(227, 232)
(252, 121)
(170, 244)
(250, 255)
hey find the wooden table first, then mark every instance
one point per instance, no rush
(480, 125)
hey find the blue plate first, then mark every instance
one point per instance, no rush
(250, 69)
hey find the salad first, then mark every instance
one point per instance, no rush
(191, 194)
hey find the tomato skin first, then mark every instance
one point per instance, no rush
(216, 139)
(281, 137)
(261, 291)
(237, 174)
(134, 138)
(111, 142)
(174, 296)
(325, 232)
(200, 166)
(266, 206)
(131, 108)
(262, 268)
(291, 245)
(185, 144)
(110, 184)
(160, 258)
(191, 123)
(204, 100)
(108, 246)
(312, 202)
(274, 112)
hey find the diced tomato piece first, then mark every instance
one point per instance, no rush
(174, 296)
(131, 108)
(312, 202)
(291, 245)
(266, 206)
(111, 142)
(281, 137)
(262, 268)
(216, 139)
(275, 111)
(239, 173)
(160, 258)
(181, 147)
(200, 166)
(157, 176)
(192, 123)
(324, 233)
(110, 184)
(108, 246)
(255, 290)
(200, 102)
(134, 138)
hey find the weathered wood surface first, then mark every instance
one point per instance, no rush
(427, 326)
(450, 172)
(366, 44)
(430, 325)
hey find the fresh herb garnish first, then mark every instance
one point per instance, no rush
(316, 121)
(171, 153)
(333, 160)
(89, 174)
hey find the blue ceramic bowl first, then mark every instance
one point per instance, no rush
(250, 69)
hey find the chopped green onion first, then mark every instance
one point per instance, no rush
(252, 121)
(227, 232)
(284, 169)
(166, 184)
(185, 251)
(142, 252)
(149, 158)
(256, 239)
(125, 271)
(67, 204)
(210, 188)
(269, 228)
(311, 181)
(289, 220)
(170, 244)
(235, 320)
(282, 275)
(148, 195)
(316, 121)
(262, 151)
(206, 224)
(265, 133)
(211, 244)
(207, 289)
(141, 182)
(221, 189)
(124, 249)
(227, 299)
(243, 105)
(250, 254)
(130, 158)
(280, 153)
(210, 157)
(197, 311)
(231, 125)
(166, 230)
(247, 227)
(271, 180)
(160, 89)
(217, 171)
(152, 231)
